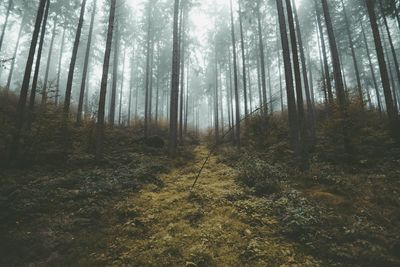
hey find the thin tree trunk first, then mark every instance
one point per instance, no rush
(103, 88)
(68, 90)
(246, 109)
(3, 31)
(321, 59)
(174, 83)
(131, 88)
(235, 74)
(353, 54)
(121, 89)
(147, 79)
(86, 64)
(310, 107)
(9, 79)
(59, 68)
(262, 61)
(382, 66)
(303, 146)
(325, 57)
(216, 101)
(37, 66)
(19, 120)
(182, 88)
(337, 72)
(49, 56)
(396, 62)
(111, 115)
(293, 121)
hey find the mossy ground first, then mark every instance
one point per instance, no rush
(108, 221)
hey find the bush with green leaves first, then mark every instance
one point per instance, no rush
(263, 177)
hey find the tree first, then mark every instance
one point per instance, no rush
(337, 74)
(103, 88)
(235, 75)
(68, 90)
(246, 109)
(37, 66)
(173, 127)
(86, 64)
(303, 145)
(10, 4)
(293, 123)
(393, 117)
(19, 121)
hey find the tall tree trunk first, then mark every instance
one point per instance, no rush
(262, 62)
(390, 70)
(3, 31)
(185, 126)
(86, 64)
(182, 88)
(121, 89)
(68, 90)
(131, 82)
(19, 120)
(235, 74)
(147, 79)
(57, 96)
(293, 121)
(396, 62)
(9, 79)
(49, 56)
(216, 101)
(37, 66)
(337, 72)
(111, 115)
(303, 145)
(158, 85)
(382, 67)
(322, 68)
(325, 57)
(310, 107)
(103, 88)
(353, 54)
(246, 109)
(173, 128)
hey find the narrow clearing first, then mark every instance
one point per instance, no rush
(217, 224)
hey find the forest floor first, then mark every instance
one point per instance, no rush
(82, 217)
(137, 209)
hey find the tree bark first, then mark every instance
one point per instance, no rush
(103, 88)
(235, 74)
(293, 122)
(86, 64)
(121, 89)
(393, 50)
(3, 31)
(111, 114)
(325, 57)
(9, 79)
(382, 67)
(147, 78)
(303, 145)
(19, 120)
(353, 54)
(49, 56)
(262, 62)
(173, 129)
(37, 66)
(246, 109)
(68, 90)
(59, 68)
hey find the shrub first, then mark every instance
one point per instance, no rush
(259, 175)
